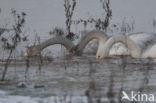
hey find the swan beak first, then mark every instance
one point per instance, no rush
(98, 58)
(25, 54)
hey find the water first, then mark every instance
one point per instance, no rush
(77, 75)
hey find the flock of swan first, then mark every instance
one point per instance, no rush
(137, 45)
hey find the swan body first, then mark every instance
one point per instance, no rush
(150, 53)
(119, 49)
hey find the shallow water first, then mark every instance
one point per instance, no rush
(75, 76)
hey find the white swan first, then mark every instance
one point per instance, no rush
(104, 49)
(150, 53)
(99, 35)
(78, 49)
(143, 40)
(35, 50)
(141, 49)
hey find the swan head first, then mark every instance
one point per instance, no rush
(31, 51)
(98, 56)
(100, 52)
(103, 50)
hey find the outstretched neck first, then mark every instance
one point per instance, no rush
(134, 49)
(34, 50)
(57, 40)
(100, 36)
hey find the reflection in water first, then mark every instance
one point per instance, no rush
(82, 76)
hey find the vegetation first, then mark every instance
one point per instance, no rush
(11, 43)
(16, 38)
